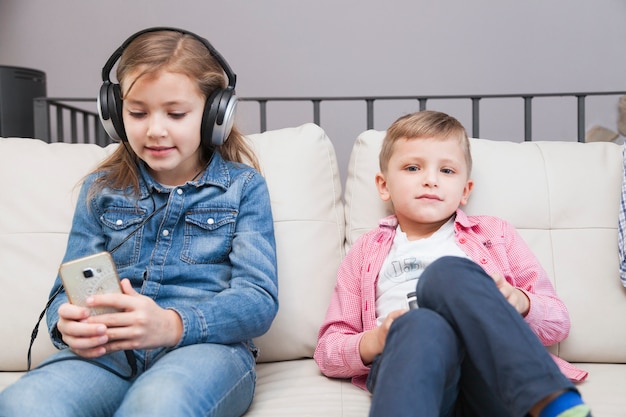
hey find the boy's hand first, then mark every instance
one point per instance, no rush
(373, 341)
(516, 297)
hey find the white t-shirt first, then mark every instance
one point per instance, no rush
(404, 264)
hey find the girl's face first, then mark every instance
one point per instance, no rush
(426, 181)
(162, 113)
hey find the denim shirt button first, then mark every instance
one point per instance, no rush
(166, 232)
(119, 222)
(179, 191)
(211, 220)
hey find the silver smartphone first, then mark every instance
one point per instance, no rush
(91, 275)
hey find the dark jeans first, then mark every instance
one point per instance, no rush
(464, 352)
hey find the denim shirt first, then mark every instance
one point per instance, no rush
(208, 252)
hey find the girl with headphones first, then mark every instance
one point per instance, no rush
(188, 223)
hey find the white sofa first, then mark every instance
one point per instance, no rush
(563, 197)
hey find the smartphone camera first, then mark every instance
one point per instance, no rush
(411, 299)
(88, 273)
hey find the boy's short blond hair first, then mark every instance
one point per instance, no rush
(426, 124)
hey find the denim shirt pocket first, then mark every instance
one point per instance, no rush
(208, 236)
(123, 227)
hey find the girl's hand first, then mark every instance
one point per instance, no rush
(516, 297)
(85, 339)
(141, 324)
(373, 341)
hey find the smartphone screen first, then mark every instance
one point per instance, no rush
(91, 275)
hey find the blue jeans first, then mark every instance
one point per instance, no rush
(464, 352)
(195, 380)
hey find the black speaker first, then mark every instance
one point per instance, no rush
(18, 88)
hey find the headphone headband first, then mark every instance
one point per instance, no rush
(106, 70)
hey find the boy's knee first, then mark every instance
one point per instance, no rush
(446, 278)
(442, 272)
(408, 330)
(420, 319)
(445, 271)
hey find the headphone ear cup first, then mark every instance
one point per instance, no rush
(110, 110)
(218, 117)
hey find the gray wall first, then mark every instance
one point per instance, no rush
(353, 47)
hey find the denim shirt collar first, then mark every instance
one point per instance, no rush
(216, 174)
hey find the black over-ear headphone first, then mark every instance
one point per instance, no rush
(219, 110)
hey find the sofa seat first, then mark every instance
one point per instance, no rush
(297, 388)
(604, 388)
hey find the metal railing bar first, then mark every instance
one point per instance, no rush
(581, 117)
(86, 133)
(422, 99)
(59, 119)
(73, 126)
(369, 113)
(476, 117)
(528, 118)
(263, 114)
(43, 105)
(316, 112)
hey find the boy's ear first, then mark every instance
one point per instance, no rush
(381, 186)
(467, 190)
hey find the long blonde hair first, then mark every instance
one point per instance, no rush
(182, 53)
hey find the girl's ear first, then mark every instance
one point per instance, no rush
(381, 186)
(467, 190)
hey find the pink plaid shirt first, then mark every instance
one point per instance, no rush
(489, 241)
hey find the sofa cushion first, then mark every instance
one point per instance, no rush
(572, 230)
(41, 183)
(305, 191)
(297, 388)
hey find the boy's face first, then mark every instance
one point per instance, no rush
(426, 181)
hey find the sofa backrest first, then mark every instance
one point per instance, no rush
(563, 197)
(301, 170)
(41, 183)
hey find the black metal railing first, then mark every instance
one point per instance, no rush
(56, 120)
